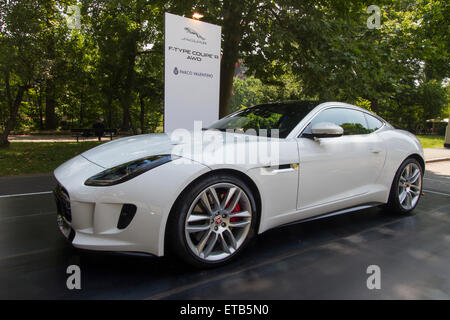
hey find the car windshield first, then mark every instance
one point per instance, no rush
(282, 116)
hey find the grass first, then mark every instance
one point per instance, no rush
(38, 157)
(432, 141)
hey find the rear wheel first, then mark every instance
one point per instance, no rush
(407, 187)
(213, 221)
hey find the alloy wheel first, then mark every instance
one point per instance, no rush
(218, 221)
(409, 186)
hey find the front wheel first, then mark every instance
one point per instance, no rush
(407, 187)
(213, 221)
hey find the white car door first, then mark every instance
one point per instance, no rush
(335, 171)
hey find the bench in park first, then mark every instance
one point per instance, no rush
(89, 132)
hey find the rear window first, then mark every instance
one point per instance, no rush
(373, 123)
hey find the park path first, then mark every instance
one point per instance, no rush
(436, 154)
(53, 138)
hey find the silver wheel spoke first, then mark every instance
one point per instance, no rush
(243, 214)
(408, 199)
(235, 200)
(203, 242)
(232, 239)
(403, 196)
(211, 244)
(224, 244)
(407, 172)
(206, 204)
(194, 229)
(215, 198)
(239, 224)
(415, 176)
(197, 217)
(227, 199)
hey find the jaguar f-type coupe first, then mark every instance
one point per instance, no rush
(159, 193)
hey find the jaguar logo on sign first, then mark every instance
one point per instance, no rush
(192, 31)
(175, 71)
(197, 39)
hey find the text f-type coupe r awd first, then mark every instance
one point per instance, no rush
(146, 194)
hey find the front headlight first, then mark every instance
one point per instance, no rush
(127, 171)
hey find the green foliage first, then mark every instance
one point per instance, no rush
(113, 65)
(106, 68)
(250, 91)
(398, 68)
(247, 92)
(363, 103)
(354, 128)
(258, 122)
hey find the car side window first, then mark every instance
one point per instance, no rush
(373, 123)
(352, 121)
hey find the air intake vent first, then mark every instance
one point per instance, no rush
(126, 215)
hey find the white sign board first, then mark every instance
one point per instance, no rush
(191, 72)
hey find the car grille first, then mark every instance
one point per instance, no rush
(63, 202)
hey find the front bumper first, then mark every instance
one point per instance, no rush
(89, 216)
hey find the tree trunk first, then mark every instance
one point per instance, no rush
(50, 88)
(109, 108)
(80, 120)
(41, 114)
(125, 116)
(50, 103)
(81, 116)
(142, 115)
(128, 85)
(232, 35)
(14, 109)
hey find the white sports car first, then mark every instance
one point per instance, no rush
(160, 193)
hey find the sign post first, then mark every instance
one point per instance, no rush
(447, 134)
(191, 72)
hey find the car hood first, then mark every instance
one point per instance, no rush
(127, 149)
(192, 145)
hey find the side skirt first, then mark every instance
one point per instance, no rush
(334, 213)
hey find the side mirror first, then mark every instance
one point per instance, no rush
(326, 130)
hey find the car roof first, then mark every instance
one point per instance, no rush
(310, 103)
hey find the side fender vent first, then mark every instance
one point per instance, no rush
(126, 215)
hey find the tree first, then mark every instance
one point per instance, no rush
(122, 30)
(22, 60)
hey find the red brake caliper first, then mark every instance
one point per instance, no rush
(236, 209)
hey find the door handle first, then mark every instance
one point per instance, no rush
(375, 150)
(282, 168)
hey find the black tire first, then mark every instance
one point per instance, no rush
(175, 231)
(394, 204)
